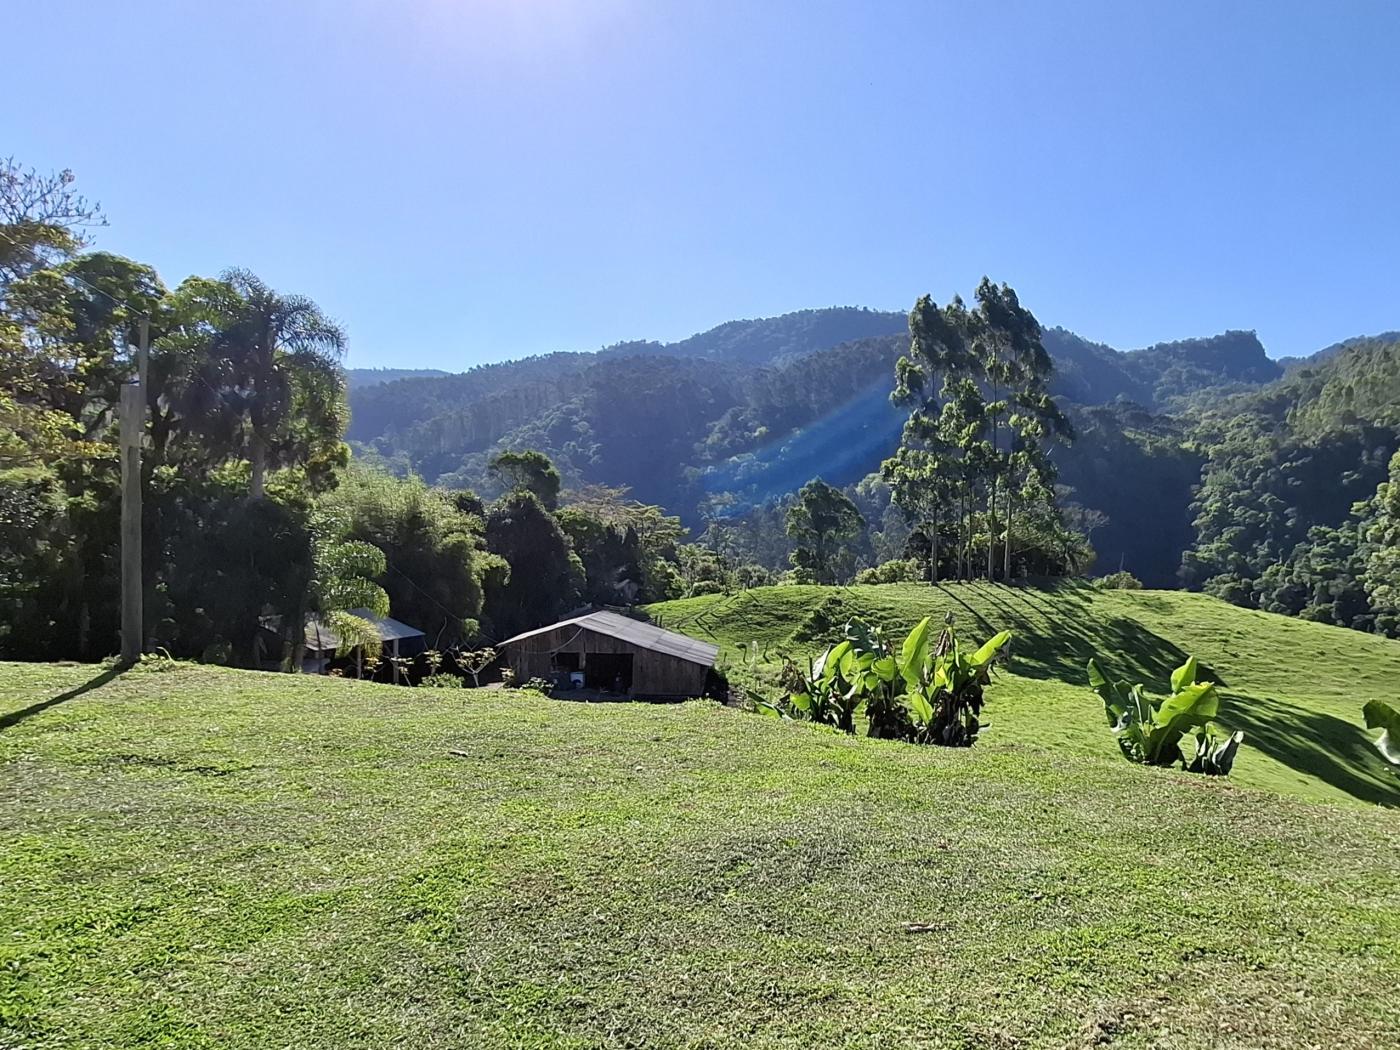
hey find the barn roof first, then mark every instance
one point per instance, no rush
(634, 632)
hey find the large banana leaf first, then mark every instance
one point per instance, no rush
(1116, 702)
(914, 654)
(989, 649)
(1184, 675)
(1179, 714)
(920, 708)
(885, 668)
(829, 663)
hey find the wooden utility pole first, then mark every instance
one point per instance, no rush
(133, 424)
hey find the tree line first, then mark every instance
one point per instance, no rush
(255, 518)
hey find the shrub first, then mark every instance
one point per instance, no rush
(897, 570)
(1150, 733)
(1119, 581)
(442, 681)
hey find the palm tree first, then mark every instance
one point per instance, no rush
(275, 370)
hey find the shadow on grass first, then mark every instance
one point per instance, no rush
(1314, 743)
(1055, 638)
(14, 718)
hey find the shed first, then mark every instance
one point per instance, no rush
(323, 644)
(613, 654)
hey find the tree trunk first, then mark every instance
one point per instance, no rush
(933, 555)
(1006, 544)
(295, 651)
(992, 531)
(257, 489)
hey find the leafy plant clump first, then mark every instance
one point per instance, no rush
(1385, 716)
(1150, 733)
(442, 680)
(1118, 581)
(926, 690)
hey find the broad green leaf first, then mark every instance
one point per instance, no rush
(989, 649)
(921, 709)
(914, 653)
(1096, 676)
(762, 705)
(1193, 706)
(1184, 675)
(829, 663)
(886, 668)
(850, 664)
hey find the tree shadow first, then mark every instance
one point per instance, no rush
(14, 718)
(1313, 742)
(1054, 638)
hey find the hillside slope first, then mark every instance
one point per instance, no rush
(1295, 688)
(204, 858)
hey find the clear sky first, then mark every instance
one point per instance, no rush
(461, 181)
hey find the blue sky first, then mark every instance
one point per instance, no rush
(462, 181)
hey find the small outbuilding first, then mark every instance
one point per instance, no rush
(607, 652)
(323, 644)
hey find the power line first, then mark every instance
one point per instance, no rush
(425, 594)
(38, 261)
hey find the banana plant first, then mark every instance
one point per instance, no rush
(944, 685)
(1385, 716)
(1150, 732)
(826, 692)
(925, 691)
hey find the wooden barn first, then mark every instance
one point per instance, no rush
(605, 652)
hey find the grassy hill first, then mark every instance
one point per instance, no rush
(202, 857)
(1295, 688)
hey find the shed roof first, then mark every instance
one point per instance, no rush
(635, 632)
(321, 636)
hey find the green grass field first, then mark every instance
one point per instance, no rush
(211, 858)
(1295, 688)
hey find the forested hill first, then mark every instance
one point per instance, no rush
(774, 340)
(736, 414)
(1155, 377)
(1177, 440)
(356, 378)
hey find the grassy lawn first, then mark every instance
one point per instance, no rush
(1295, 688)
(214, 858)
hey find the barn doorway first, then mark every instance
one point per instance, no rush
(608, 672)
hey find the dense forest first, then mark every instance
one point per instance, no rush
(1174, 441)
(829, 445)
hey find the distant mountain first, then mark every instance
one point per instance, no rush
(743, 412)
(1329, 352)
(1356, 382)
(775, 340)
(359, 378)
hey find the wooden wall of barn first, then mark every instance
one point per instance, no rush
(653, 674)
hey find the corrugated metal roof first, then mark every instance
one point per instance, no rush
(321, 637)
(635, 632)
